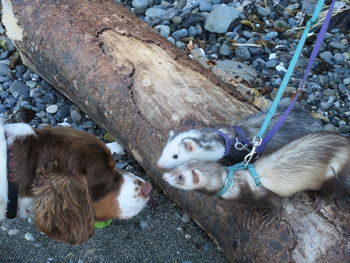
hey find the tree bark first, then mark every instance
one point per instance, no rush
(138, 86)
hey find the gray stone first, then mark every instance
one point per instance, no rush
(20, 68)
(281, 24)
(4, 79)
(346, 81)
(63, 112)
(237, 69)
(87, 125)
(181, 4)
(339, 58)
(336, 45)
(41, 114)
(308, 6)
(4, 69)
(270, 35)
(180, 44)
(76, 116)
(142, 4)
(263, 11)
(52, 109)
(242, 53)
(205, 6)
(171, 39)
(177, 19)
(192, 31)
(31, 84)
(155, 12)
(163, 30)
(247, 34)
(17, 88)
(220, 18)
(327, 56)
(48, 98)
(13, 232)
(271, 63)
(178, 34)
(225, 50)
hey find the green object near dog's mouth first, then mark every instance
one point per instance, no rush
(102, 224)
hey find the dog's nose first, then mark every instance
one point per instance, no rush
(146, 189)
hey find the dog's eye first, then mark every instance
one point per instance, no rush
(175, 156)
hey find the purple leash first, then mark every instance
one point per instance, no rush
(240, 143)
(314, 52)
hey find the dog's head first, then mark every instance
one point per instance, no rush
(75, 183)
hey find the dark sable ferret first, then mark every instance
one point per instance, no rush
(316, 161)
(207, 145)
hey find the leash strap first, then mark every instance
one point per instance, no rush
(228, 142)
(12, 187)
(231, 172)
(241, 135)
(314, 53)
(291, 67)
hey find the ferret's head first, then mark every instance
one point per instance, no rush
(185, 177)
(180, 149)
(197, 175)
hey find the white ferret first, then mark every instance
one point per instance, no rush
(316, 161)
(208, 145)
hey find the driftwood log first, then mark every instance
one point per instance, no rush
(138, 86)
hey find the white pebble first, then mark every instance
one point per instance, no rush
(30, 220)
(29, 237)
(186, 218)
(13, 232)
(52, 109)
(187, 236)
(272, 56)
(3, 228)
(115, 148)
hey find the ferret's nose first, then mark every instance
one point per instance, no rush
(159, 165)
(146, 189)
(165, 177)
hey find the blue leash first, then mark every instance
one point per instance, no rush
(257, 141)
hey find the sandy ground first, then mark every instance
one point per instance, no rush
(157, 235)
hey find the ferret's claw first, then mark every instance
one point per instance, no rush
(318, 204)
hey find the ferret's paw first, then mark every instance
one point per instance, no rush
(249, 218)
(318, 204)
(269, 217)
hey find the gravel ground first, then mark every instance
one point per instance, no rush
(261, 37)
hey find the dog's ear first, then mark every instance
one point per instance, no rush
(63, 206)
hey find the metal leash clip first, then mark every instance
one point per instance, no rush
(240, 146)
(256, 142)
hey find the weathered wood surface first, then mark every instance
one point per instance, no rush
(138, 86)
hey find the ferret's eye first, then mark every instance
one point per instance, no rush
(175, 156)
(180, 177)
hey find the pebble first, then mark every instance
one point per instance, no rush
(220, 18)
(4, 69)
(163, 30)
(17, 88)
(187, 236)
(205, 6)
(186, 218)
(13, 232)
(327, 56)
(346, 81)
(242, 53)
(180, 34)
(4, 228)
(177, 19)
(192, 31)
(263, 11)
(76, 116)
(225, 50)
(52, 109)
(142, 4)
(336, 45)
(270, 35)
(29, 237)
(143, 224)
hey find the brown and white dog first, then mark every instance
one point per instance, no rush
(67, 180)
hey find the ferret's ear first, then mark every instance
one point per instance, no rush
(195, 176)
(189, 145)
(171, 136)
